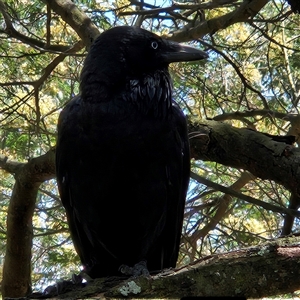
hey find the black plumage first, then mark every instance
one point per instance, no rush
(122, 156)
(295, 5)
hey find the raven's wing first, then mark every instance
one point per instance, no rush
(79, 185)
(178, 175)
(67, 158)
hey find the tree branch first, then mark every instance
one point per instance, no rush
(265, 156)
(12, 32)
(77, 19)
(222, 208)
(177, 6)
(29, 177)
(228, 191)
(266, 270)
(10, 166)
(247, 10)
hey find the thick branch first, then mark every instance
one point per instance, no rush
(266, 270)
(17, 265)
(9, 166)
(264, 156)
(246, 11)
(77, 19)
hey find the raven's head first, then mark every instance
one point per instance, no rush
(137, 49)
(126, 53)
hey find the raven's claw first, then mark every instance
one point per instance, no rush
(139, 269)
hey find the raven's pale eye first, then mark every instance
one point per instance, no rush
(154, 45)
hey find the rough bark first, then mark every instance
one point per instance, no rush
(262, 155)
(17, 264)
(76, 18)
(261, 271)
(265, 156)
(245, 12)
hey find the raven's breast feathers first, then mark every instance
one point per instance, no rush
(152, 94)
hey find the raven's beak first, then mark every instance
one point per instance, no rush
(175, 52)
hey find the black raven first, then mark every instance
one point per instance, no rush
(122, 156)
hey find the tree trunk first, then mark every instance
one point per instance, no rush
(17, 264)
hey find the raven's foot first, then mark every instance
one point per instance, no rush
(137, 270)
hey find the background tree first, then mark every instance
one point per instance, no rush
(248, 87)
